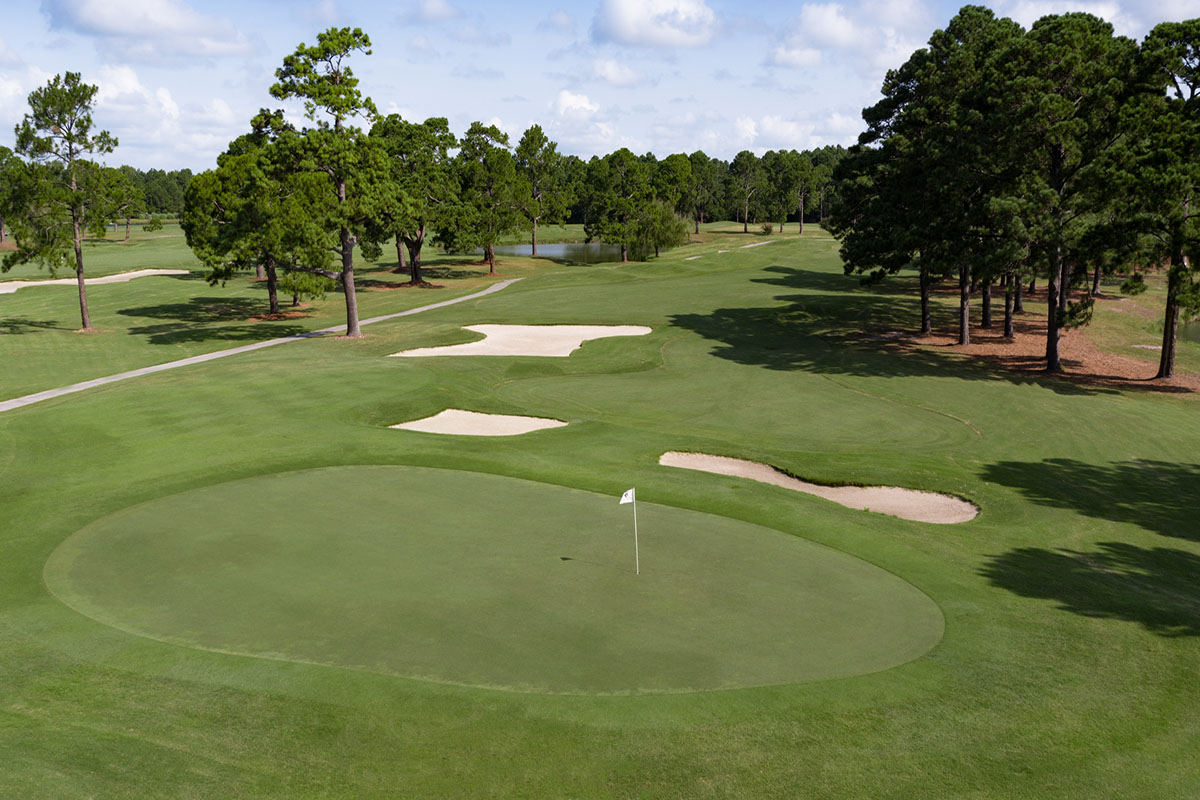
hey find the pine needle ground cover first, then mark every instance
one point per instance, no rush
(1069, 609)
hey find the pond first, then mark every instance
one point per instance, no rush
(1190, 331)
(573, 252)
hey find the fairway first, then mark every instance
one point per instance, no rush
(483, 580)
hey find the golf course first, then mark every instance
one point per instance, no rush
(237, 578)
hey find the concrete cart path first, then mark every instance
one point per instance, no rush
(30, 399)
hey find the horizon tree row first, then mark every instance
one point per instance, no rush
(293, 203)
(1062, 153)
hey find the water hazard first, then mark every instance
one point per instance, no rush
(572, 252)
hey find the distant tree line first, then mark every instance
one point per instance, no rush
(162, 190)
(294, 204)
(1000, 156)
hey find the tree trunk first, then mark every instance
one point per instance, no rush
(1, 230)
(697, 225)
(414, 244)
(624, 254)
(985, 298)
(534, 253)
(1018, 286)
(259, 273)
(1032, 282)
(401, 267)
(348, 242)
(295, 299)
(1175, 279)
(1064, 289)
(127, 229)
(83, 304)
(489, 252)
(272, 285)
(1096, 281)
(821, 207)
(926, 317)
(1012, 286)
(746, 216)
(800, 216)
(964, 305)
(1053, 289)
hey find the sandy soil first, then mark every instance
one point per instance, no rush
(528, 340)
(1024, 354)
(892, 500)
(472, 423)
(8, 287)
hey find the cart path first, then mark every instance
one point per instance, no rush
(49, 394)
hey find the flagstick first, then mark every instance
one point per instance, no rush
(637, 566)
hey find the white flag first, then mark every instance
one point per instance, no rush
(627, 497)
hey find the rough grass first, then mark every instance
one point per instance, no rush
(1072, 603)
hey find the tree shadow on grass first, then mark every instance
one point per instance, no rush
(202, 319)
(1158, 588)
(21, 325)
(836, 326)
(201, 309)
(1159, 496)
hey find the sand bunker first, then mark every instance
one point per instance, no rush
(8, 287)
(472, 423)
(904, 503)
(528, 340)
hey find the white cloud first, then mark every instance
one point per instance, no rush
(148, 29)
(875, 36)
(323, 12)
(558, 20)
(420, 49)
(827, 24)
(435, 11)
(654, 23)
(795, 54)
(1027, 12)
(475, 34)
(842, 128)
(570, 104)
(15, 87)
(7, 56)
(121, 95)
(218, 112)
(746, 130)
(778, 132)
(615, 73)
(151, 127)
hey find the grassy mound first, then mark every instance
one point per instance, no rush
(528, 586)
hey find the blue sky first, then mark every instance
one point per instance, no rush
(179, 78)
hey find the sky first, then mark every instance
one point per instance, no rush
(179, 79)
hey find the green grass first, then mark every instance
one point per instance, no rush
(157, 319)
(164, 249)
(540, 579)
(1071, 604)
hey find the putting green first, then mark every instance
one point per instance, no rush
(490, 581)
